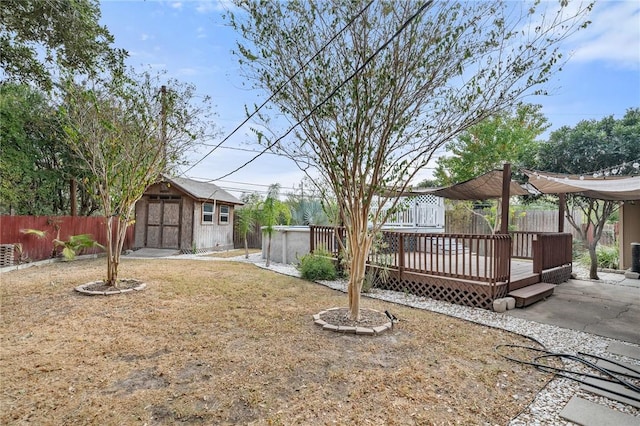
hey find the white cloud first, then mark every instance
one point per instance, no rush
(176, 5)
(144, 37)
(201, 32)
(613, 35)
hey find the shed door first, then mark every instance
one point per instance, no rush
(163, 222)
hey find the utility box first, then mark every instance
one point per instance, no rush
(635, 257)
(6, 255)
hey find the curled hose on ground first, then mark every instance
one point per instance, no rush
(605, 374)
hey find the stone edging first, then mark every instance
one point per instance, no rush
(82, 289)
(369, 331)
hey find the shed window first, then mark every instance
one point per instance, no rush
(207, 213)
(224, 215)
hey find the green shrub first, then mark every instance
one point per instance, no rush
(373, 277)
(317, 266)
(577, 250)
(608, 257)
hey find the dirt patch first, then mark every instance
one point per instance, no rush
(101, 288)
(146, 379)
(230, 343)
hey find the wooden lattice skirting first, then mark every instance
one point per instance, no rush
(556, 275)
(459, 292)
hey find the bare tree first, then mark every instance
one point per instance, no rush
(127, 132)
(376, 88)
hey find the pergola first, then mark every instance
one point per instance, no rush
(498, 184)
(477, 269)
(611, 188)
(493, 184)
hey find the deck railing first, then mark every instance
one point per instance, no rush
(326, 238)
(522, 247)
(551, 250)
(483, 258)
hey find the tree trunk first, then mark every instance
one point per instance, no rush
(268, 263)
(73, 197)
(593, 269)
(359, 246)
(246, 247)
(109, 246)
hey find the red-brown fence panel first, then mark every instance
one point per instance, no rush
(60, 227)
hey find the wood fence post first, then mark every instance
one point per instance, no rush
(311, 239)
(400, 253)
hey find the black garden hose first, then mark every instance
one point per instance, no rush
(605, 374)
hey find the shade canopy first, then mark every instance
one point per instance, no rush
(484, 187)
(611, 188)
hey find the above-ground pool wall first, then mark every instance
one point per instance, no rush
(288, 243)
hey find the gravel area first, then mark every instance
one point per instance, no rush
(546, 407)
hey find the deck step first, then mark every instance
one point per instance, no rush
(531, 294)
(524, 281)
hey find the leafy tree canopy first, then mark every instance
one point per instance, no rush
(38, 36)
(36, 164)
(592, 145)
(504, 137)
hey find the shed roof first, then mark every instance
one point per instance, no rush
(202, 191)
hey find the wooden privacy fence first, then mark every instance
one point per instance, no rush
(254, 236)
(34, 248)
(525, 221)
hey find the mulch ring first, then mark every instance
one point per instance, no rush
(371, 322)
(100, 288)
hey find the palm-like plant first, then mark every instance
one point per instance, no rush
(245, 222)
(70, 248)
(273, 212)
(308, 212)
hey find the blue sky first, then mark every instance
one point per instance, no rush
(190, 40)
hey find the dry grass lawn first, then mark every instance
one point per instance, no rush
(229, 343)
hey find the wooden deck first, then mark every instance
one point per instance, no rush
(457, 287)
(471, 270)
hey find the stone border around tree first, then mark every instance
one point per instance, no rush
(367, 331)
(83, 288)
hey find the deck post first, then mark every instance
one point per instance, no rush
(400, 254)
(506, 182)
(311, 238)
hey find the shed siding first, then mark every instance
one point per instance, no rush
(141, 222)
(187, 238)
(212, 235)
